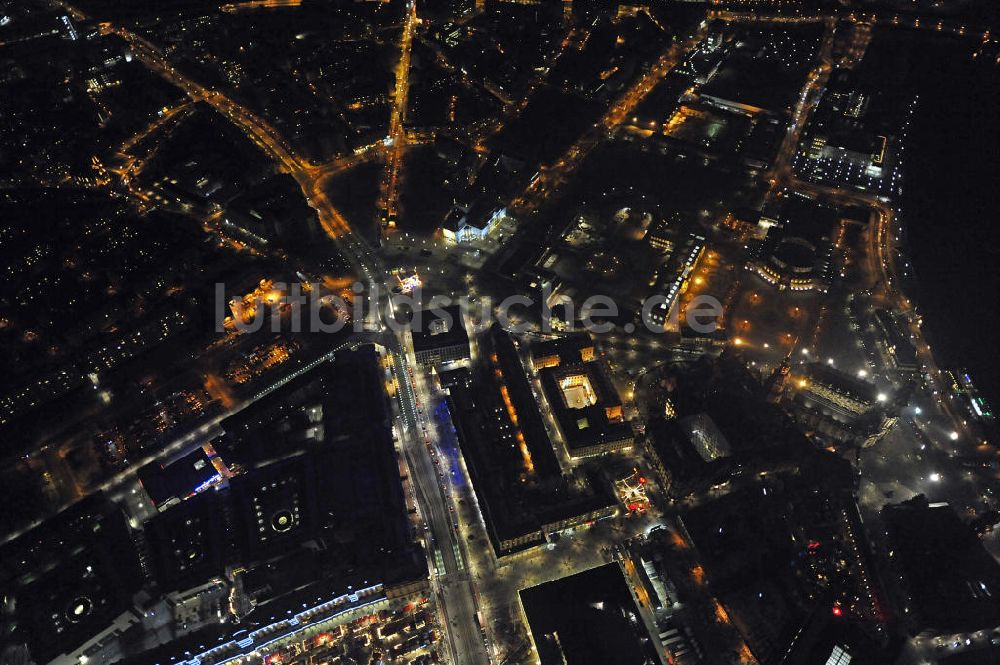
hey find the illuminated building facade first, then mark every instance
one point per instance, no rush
(705, 436)
(964, 390)
(797, 250)
(683, 264)
(833, 404)
(466, 224)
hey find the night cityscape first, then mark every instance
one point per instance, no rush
(499, 332)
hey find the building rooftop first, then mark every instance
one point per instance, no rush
(188, 543)
(750, 85)
(321, 465)
(587, 619)
(568, 349)
(801, 217)
(71, 577)
(315, 512)
(846, 384)
(436, 329)
(953, 582)
(827, 638)
(580, 394)
(896, 336)
(179, 479)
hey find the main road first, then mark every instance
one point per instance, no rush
(396, 140)
(451, 579)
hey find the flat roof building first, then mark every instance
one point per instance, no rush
(587, 619)
(948, 581)
(170, 484)
(851, 137)
(72, 581)
(439, 336)
(829, 639)
(189, 543)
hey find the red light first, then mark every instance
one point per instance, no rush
(642, 481)
(837, 611)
